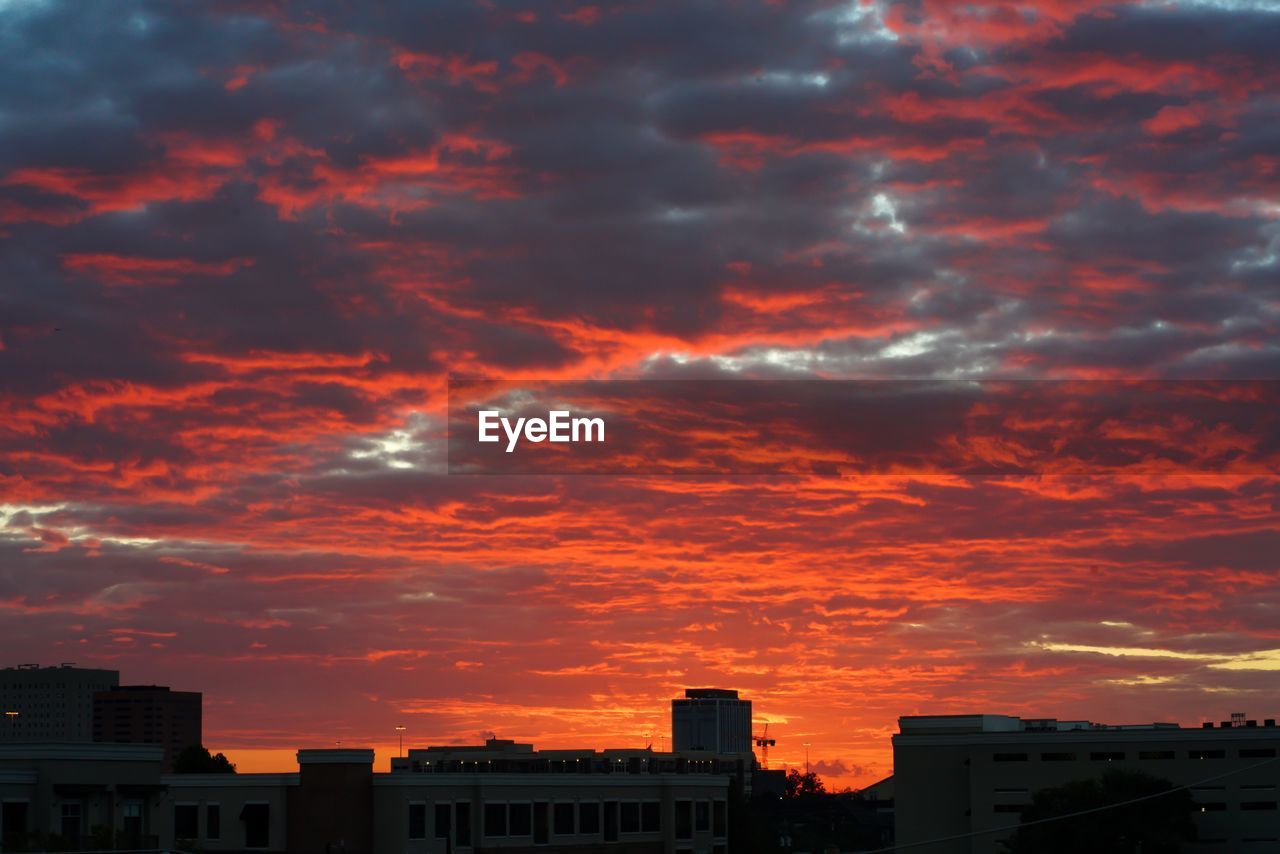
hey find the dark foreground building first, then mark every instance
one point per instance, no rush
(501, 796)
(956, 775)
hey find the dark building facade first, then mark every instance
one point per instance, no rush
(50, 703)
(149, 714)
(711, 719)
(444, 801)
(961, 782)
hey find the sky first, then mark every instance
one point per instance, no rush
(243, 246)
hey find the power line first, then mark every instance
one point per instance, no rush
(990, 830)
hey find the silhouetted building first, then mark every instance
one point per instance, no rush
(971, 774)
(50, 703)
(149, 714)
(711, 719)
(616, 802)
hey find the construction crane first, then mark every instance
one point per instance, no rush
(764, 743)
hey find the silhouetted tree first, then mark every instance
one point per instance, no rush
(1154, 826)
(803, 785)
(196, 759)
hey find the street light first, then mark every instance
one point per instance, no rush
(400, 732)
(806, 758)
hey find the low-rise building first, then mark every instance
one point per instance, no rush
(437, 801)
(966, 779)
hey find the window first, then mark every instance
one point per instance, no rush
(1206, 754)
(651, 817)
(719, 815)
(257, 825)
(186, 821)
(13, 819)
(1213, 806)
(443, 815)
(702, 816)
(520, 822)
(630, 817)
(70, 815)
(1018, 808)
(562, 818)
(589, 817)
(495, 819)
(1010, 757)
(213, 821)
(131, 819)
(1258, 805)
(1155, 754)
(1106, 755)
(684, 819)
(541, 832)
(462, 812)
(1257, 752)
(610, 821)
(417, 821)
(1057, 757)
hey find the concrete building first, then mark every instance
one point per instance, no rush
(149, 714)
(974, 774)
(711, 719)
(437, 801)
(90, 796)
(50, 704)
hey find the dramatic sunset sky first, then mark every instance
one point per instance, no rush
(243, 245)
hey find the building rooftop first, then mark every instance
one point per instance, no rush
(710, 694)
(964, 724)
(504, 755)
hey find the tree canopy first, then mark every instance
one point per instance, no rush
(1155, 826)
(197, 759)
(803, 785)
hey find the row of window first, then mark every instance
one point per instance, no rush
(568, 818)
(1119, 755)
(1205, 840)
(186, 821)
(1248, 806)
(1216, 806)
(596, 765)
(1244, 787)
(255, 816)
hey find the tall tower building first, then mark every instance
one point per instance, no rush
(149, 714)
(50, 704)
(711, 719)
